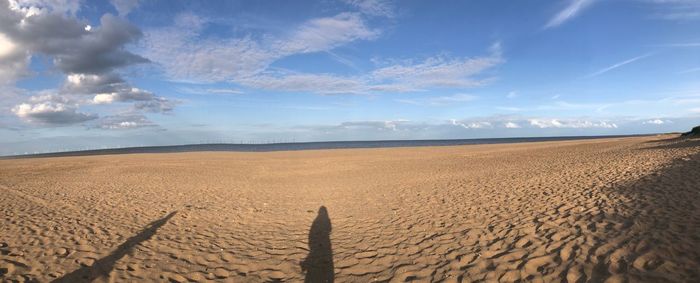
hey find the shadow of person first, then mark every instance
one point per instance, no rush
(318, 264)
(102, 267)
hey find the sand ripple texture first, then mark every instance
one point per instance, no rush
(610, 210)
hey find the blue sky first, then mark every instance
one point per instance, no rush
(92, 74)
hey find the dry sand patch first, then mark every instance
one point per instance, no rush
(574, 211)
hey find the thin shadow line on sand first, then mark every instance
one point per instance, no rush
(318, 264)
(103, 266)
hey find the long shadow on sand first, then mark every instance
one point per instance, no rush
(319, 262)
(660, 238)
(103, 266)
(673, 143)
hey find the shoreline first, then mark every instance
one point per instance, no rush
(320, 145)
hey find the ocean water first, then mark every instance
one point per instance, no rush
(305, 146)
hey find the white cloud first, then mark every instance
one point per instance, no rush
(615, 66)
(103, 98)
(133, 94)
(51, 110)
(510, 122)
(478, 127)
(471, 125)
(511, 125)
(35, 7)
(93, 83)
(512, 94)
(656, 122)
(573, 9)
(493, 126)
(576, 124)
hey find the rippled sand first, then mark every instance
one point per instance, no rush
(573, 211)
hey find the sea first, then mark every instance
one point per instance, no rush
(266, 147)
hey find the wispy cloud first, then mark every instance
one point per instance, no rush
(557, 105)
(692, 70)
(381, 8)
(123, 122)
(684, 44)
(573, 9)
(617, 65)
(325, 84)
(440, 100)
(388, 125)
(677, 10)
(439, 71)
(207, 91)
(570, 123)
(124, 7)
(321, 34)
(188, 56)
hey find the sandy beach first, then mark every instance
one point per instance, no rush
(613, 210)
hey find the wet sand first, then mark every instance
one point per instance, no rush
(571, 211)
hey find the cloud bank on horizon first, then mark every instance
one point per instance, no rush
(86, 74)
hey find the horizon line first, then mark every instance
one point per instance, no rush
(124, 150)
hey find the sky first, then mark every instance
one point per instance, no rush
(96, 74)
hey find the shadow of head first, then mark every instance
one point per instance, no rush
(318, 264)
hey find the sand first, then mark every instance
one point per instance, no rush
(572, 211)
